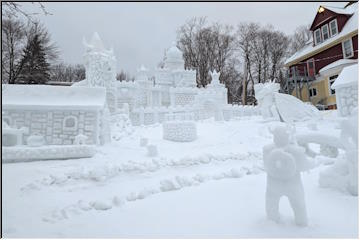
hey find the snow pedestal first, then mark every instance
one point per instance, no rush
(180, 131)
(179, 127)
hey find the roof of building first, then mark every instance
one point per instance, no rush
(348, 76)
(340, 10)
(338, 63)
(59, 97)
(308, 50)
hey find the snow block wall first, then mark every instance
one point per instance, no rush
(57, 127)
(346, 100)
(346, 87)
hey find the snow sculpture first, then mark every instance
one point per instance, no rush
(100, 65)
(57, 113)
(281, 106)
(283, 162)
(346, 87)
(343, 175)
(180, 128)
(264, 93)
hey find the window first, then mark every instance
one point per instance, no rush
(70, 123)
(317, 35)
(312, 92)
(333, 27)
(331, 81)
(325, 31)
(347, 47)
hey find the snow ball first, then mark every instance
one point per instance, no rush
(118, 201)
(132, 197)
(168, 185)
(83, 205)
(144, 142)
(152, 151)
(236, 173)
(100, 205)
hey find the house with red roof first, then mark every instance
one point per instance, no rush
(334, 45)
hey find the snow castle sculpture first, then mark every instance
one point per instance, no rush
(283, 162)
(281, 106)
(100, 65)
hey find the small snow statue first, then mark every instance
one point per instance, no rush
(80, 139)
(283, 162)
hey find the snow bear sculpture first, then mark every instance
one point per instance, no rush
(283, 162)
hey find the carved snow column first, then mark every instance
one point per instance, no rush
(100, 66)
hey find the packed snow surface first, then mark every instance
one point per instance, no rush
(213, 187)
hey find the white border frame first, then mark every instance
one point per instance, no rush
(337, 30)
(343, 48)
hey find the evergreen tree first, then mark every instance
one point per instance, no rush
(34, 66)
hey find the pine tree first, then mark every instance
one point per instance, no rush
(34, 66)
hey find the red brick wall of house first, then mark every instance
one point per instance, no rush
(328, 56)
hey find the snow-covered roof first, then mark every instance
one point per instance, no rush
(308, 50)
(338, 63)
(59, 97)
(340, 10)
(348, 76)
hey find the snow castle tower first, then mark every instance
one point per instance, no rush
(100, 66)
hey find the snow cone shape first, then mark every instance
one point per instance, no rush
(283, 162)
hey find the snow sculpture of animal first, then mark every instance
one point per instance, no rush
(283, 162)
(280, 106)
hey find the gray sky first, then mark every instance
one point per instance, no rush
(139, 32)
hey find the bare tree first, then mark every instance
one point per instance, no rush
(15, 10)
(67, 73)
(300, 37)
(278, 49)
(246, 33)
(205, 47)
(13, 40)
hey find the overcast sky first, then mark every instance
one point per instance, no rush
(139, 32)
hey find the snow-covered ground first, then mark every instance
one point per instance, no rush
(213, 187)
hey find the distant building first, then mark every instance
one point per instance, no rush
(334, 45)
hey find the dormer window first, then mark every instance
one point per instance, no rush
(325, 31)
(317, 35)
(333, 27)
